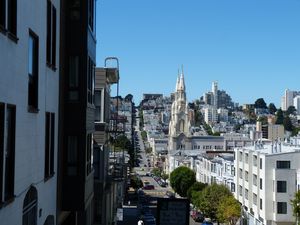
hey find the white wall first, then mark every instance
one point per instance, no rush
(30, 127)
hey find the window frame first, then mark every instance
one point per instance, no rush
(283, 209)
(281, 186)
(49, 145)
(33, 79)
(51, 35)
(7, 152)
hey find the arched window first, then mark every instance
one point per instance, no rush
(49, 220)
(30, 207)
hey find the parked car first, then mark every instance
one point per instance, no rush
(207, 223)
(149, 187)
(197, 216)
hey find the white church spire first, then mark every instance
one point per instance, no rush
(181, 81)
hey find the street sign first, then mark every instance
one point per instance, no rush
(173, 211)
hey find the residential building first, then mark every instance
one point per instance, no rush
(297, 104)
(265, 180)
(215, 169)
(271, 131)
(76, 121)
(210, 114)
(29, 97)
(288, 99)
(108, 168)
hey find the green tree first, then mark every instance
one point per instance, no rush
(272, 108)
(136, 182)
(291, 110)
(296, 207)
(263, 120)
(288, 126)
(122, 143)
(260, 104)
(279, 117)
(156, 172)
(181, 179)
(209, 199)
(196, 187)
(229, 210)
(144, 135)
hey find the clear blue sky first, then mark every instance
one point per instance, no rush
(251, 47)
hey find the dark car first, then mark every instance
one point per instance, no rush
(149, 187)
(207, 223)
(197, 216)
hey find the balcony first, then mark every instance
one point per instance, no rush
(112, 75)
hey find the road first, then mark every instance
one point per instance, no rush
(132, 212)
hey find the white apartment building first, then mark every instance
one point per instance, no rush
(223, 115)
(29, 93)
(210, 114)
(265, 180)
(287, 99)
(219, 169)
(297, 104)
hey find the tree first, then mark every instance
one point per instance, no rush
(263, 120)
(181, 179)
(260, 104)
(288, 126)
(209, 199)
(272, 108)
(279, 117)
(296, 206)
(144, 135)
(156, 172)
(290, 110)
(196, 187)
(136, 182)
(229, 210)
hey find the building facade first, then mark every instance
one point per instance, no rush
(29, 87)
(265, 180)
(77, 112)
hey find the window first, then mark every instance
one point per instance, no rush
(12, 17)
(281, 186)
(246, 176)
(30, 207)
(246, 194)
(281, 207)
(91, 14)
(255, 160)
(241, 190)
(241, 174)
(72, 155)
(99, 101)
(241, 156)
(260, 183)
(2, 14)
(74, 78)
(283, 164)
(33, 54)
(254, 199)
(51, 35)
(7, 151)
(246, 158)
(89, 154)
(260, 163)
(91, 78)
(8, 17)
(49, 144)
(254, 180)
(260, 204)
